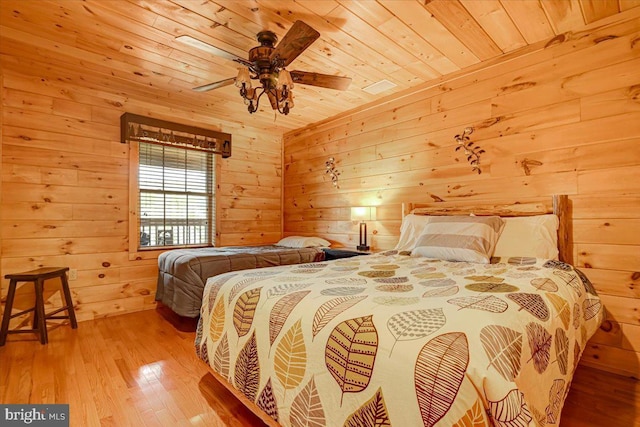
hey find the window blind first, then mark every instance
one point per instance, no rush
(176, 187)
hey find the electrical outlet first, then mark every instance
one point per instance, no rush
(73, 274)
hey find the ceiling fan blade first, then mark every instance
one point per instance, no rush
(190, 41)
(298, 38)
(215, 85)
(322, 80)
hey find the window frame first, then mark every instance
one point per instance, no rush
(136, 252)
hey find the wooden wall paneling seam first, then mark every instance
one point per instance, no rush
(565, 136)
(595, 10)
(27, 119)
(59, 90)
(613, 102)
(21, 228)
(563, 15)
(608, 256)
(50, 193)
(627, 4)
(93, 261)
(417, 16)
(624, 336)
(62, 246)
(459, 21)
(620, 232)
(410, 53)
(590, 156)
(497, 23)
(63, 160)
(243, 178)
(314, 159)
(530, 19)
(249, 190)
(611, 359)
(249, 214)
(609, 207)
(236, 226)
(623, 180)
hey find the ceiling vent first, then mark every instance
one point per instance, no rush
(379, 87)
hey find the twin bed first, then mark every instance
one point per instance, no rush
(435, 335)
(182, 273)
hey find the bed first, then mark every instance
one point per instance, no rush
(182, 273)
(401, 338)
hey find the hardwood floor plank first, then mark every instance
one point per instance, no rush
(140, 369)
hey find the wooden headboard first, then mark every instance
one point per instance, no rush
(558, 204)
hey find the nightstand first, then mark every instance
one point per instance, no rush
(338, 253)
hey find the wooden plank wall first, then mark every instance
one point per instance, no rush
(558, 118)
(64, 189)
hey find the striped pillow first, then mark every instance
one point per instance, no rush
(460, 238)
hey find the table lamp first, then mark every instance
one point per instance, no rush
(362, 214)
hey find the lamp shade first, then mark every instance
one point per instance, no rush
(243, 77)
(284, 79)
(363, 213)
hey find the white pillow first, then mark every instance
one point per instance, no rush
(303, 242)
(529, 236)
(460, 238)
(411, 228)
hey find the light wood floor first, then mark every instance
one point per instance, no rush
(140, 369)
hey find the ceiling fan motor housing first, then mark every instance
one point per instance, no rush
(261, 57)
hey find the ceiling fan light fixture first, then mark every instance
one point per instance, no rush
(288, 101)
(250, 96)
(243, 78)
(284, 80)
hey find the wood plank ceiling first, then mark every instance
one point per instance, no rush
(128, 47)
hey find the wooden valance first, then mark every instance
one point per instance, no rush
(147, 129)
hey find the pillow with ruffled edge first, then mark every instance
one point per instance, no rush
(303, 242)
(460, 238)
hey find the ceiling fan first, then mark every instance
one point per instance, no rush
(267, 63)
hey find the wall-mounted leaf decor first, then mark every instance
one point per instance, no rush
(469, 148)
(330, 166)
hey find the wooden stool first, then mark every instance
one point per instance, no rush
(40, 318)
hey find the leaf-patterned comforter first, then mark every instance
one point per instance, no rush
(388, 339)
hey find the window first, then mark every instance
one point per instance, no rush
(172, 182)
(175, 196)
